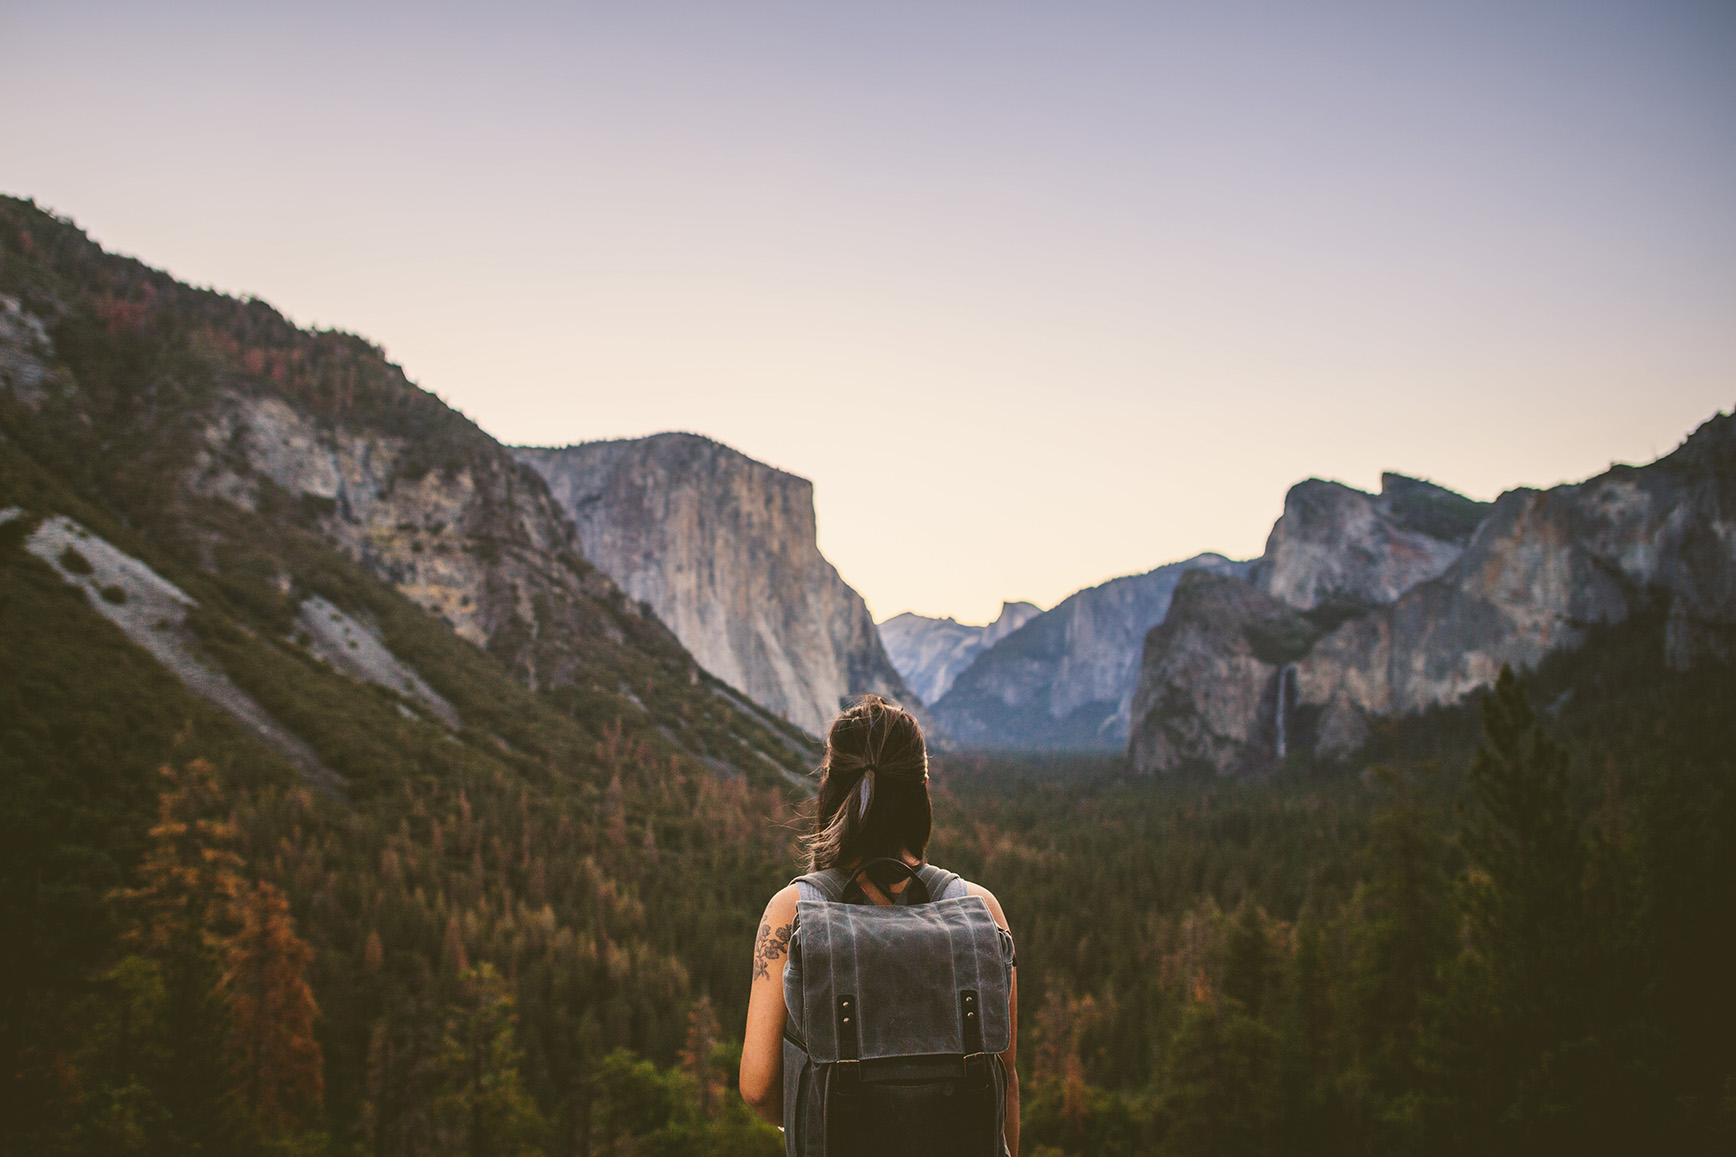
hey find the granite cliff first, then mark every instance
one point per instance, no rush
(723, 549)
(929, 653)
(1210, 678)
(1540, 568)
(1066, 678)
(1335, 546)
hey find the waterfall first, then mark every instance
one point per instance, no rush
(1281, 713)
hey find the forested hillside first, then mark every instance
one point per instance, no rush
(438, 942)
(511, 912)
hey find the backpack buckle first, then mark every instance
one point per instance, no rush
(976, 1068)
(848, 1074)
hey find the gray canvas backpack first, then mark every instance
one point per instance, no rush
(897, 1019)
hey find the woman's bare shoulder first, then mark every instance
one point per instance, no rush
(781, 908)
(989, 899)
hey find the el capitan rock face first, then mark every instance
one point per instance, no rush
(1065, 680)
(723, 549)
(929, 653)
(1540, 568)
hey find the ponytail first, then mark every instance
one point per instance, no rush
(873, 797)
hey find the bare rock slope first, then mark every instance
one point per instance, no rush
(724, 551)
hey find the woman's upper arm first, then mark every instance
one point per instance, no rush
(762, 1054)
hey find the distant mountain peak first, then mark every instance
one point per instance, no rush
(930, 653)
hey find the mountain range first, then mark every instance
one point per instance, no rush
(1367, 606)
(677, 581)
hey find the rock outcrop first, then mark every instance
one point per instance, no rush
(1539, 570)
(1066, 678)
(1339, 547)
(1215, 678)
(930, 653)
(480, 543)
(723, 550)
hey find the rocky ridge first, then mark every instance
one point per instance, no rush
(724, 550)
(1539, 570)
(929, 653)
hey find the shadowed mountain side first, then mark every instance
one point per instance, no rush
(724, 550)
(931, 652)
(1066, 678)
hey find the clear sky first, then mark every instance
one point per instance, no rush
(1036, 294)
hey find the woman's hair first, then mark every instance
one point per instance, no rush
(873, 787)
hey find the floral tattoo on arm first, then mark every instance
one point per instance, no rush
(773, 943)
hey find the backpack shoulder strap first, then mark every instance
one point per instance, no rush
(829, 884)
(941, 884)
(826, 885)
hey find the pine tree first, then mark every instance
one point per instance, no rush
(1220, 1081)
(180, 909)
(190, 874)
(695, 1056)
(271, 1010)
(1248, 959)
(483, 1108)
(1405, 936)
(1517, 995)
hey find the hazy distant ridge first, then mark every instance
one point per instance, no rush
(1066, 678)
(930, 653)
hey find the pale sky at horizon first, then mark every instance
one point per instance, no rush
(1037, 295)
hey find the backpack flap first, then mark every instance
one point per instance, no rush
(907, 973)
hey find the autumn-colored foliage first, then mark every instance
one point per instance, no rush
(271, 1008)
(189, 878)
(695, 1057)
